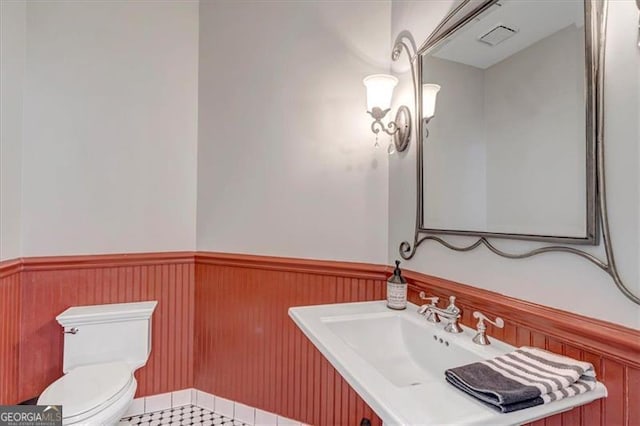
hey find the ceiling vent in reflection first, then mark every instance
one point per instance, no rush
(497, 35)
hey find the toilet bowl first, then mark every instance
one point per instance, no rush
(103, 346)
(96, 394)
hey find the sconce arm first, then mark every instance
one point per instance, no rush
(378, 114)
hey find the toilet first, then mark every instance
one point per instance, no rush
(103, 346)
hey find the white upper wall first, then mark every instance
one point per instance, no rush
(286, 162)
(110, 127)
(12, 48)
(559, 280)
(286, 165)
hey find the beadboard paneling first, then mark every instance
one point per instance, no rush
(248, 349)
(9, 331)
(235, 338)
(251, 296)
(50, 285)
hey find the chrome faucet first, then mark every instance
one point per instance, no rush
(451, 314)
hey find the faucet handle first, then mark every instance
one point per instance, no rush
(481, 337)
(434, 300)
(424, 309)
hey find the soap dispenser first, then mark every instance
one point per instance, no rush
(397, 289)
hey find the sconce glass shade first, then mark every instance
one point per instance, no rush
(429, 95)
(379, 90)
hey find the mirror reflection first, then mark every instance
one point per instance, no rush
(508, 149)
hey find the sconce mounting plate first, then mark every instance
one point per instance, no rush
(403, 135)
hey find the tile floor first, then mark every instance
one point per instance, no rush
(181, 416)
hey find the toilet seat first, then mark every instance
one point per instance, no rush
(88, 390)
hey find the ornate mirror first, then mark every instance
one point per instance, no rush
(514, 147)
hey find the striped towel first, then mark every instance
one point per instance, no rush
(523, 378)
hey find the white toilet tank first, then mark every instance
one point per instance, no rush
(104, 333)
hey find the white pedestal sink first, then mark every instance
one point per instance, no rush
(395, 360)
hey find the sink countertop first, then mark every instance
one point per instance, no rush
(379, 351)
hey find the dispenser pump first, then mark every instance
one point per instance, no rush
(397, 275)
(397, 289)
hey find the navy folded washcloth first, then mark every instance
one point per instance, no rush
(523, 378)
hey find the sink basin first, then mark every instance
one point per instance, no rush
(396, 360)
(387, 342)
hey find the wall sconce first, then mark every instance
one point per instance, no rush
(429, 96)
(379, 92)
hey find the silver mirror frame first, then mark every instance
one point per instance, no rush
(470, 10)
(596, 15)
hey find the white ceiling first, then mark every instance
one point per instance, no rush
(533, 19)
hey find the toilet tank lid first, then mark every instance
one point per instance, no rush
(114, 312)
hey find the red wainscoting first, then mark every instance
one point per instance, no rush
(222, 326)
(9, 330)
(247, 348)
(50, 285)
